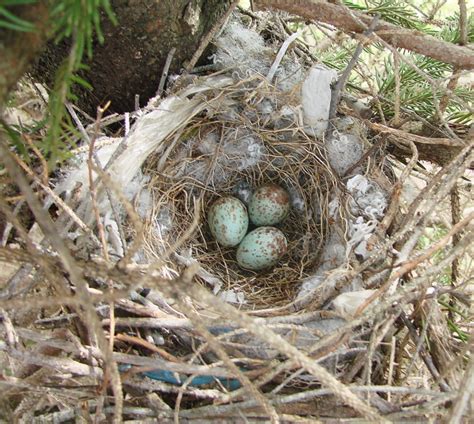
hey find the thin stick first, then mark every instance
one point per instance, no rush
(463, 27)
(341, 82)
(281, 53)
(396, 70)
(164, 74)
(424, 354)
(466, 391)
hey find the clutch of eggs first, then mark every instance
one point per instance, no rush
(263, 247)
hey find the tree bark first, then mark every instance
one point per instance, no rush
(19, 49)
(131, 60)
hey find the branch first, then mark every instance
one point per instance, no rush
(341, 83)
(437, 150)
(357, 22)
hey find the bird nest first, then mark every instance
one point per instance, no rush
(142, 297)
(229, 150)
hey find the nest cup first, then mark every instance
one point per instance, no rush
(230, 151)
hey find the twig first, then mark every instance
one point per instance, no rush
(396, 70)
(341, 82)
(463, 27)
(63, 365)
(150, 385)
(215, 345)
(281, 53)
(150, 346)
(427, 253)
(134, 218)
(303, 396)
(424, 354)
(465, 393)
(164, 74)
(277, 342)
(456, 217)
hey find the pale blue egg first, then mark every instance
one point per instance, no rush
(261, 248)
(269, 205)
(228, 221)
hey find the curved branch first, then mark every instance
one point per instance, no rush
(357, 22)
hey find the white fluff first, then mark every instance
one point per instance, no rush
(368, 198)
(347, 304)
(244, 50)
(344, 150)
(368, 204)
(334, 255)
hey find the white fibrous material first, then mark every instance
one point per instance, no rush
(77, 175)
(243, 191)
(136, 194)
(289, 75)
(113, 235)
(242, 48)
(287, 116)
(368, 204)
(344, 150)
(245, 51)
(266, 107)
(310, 284)
(316, 99)
(334, 254)
(163, 222)
(368, 197)
(245, 152)
(239, 150)
(232, 296)
(147, 136)
(347, 304)
(359, 233)
(333, 208)
(207, 145)
(344, 123)
(296, 199)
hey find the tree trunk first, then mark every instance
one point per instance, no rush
(18, 49)
(131, 60)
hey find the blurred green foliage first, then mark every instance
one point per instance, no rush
(79, 21)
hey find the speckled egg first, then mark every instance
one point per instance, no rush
(228, 221)
(261, 248)
(269, 205)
